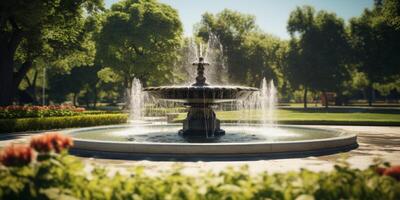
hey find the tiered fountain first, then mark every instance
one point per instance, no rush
(201, 136)
(201, 120)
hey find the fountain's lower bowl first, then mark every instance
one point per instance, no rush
(201, 94)
(240, 140)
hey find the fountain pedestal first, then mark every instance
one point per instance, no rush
(201, 121)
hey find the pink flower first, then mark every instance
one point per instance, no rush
(16, 155)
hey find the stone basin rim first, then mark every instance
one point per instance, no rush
(193, 150)
(343, 135)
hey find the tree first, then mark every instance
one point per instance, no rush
(375, 37)
(231, 28)
(319, 46)
(80, 80)
(33, 29)
(260, 58)
(139, 38)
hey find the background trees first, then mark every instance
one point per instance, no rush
(319, 48)
(30, 30)
(251, 54)
(91, 54)
(139, 39)
(375, 37)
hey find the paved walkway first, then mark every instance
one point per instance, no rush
(374, 142)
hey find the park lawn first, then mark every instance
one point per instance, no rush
(300, 116)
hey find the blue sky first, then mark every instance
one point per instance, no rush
(271, 15)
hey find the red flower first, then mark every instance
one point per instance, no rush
(380, 170)
(16, 155)
(51, 141)
(79, 109)
(393, 172)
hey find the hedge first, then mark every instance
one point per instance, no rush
(61, 176)
(47, 123)
(14, 111)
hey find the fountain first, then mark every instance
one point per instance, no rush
(202, 134)
(201, 120)
(136, 105)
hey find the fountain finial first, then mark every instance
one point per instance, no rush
(200, 79)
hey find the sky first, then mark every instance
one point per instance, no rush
(271, 15)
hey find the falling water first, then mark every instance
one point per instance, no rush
(268, 101)
(136, 106)
(217, 72)
(263, 101)
(190, 52)
(212, 51)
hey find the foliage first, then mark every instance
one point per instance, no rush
(48, 123)
(139, 39)
(43, 30)
(11, 112)
(375, 40)
(231, 28)
(80, 81)
(61, 176)
(91, 54)
(149, 111)
(318, 55)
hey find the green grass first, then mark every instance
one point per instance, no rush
(342, 116)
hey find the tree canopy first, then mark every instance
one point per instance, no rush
(139, 38)
(30, 30)
(375, 37)
(318, 54)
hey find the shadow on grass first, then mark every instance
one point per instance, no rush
(208, 157)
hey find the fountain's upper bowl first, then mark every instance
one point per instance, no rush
(201, 94)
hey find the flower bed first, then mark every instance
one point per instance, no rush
(12, 112)
(44, 170)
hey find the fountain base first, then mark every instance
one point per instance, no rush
(201, 121)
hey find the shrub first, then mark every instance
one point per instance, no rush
(53, 174)
(154, 112)
(11, 112)
(48, 123)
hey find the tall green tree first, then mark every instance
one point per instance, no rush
(231, 28)
(320, 44)
(30, 30)
(261, 57)
(79, 80)
(140, 38)
(375, 37)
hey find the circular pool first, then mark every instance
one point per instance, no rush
(253, 139)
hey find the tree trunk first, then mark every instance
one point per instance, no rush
(74, 100)
(326, 99)
(6, 77)
(370, 94)
(95, 97)
(31, 89)
(8, 47)
(339, 99)
(305, 98)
